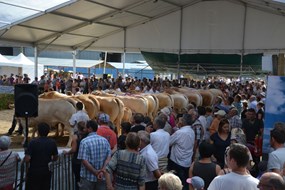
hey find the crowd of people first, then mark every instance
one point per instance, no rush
(215, 147)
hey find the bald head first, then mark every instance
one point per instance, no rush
(271, 180)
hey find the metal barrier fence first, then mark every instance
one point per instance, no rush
(61, 178)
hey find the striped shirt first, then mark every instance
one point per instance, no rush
(130, 170)
(8, 169)
(95, 149)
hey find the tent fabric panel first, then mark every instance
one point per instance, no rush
(9, 10)
(123, 19)
(118, 4)
(264, 31)
(70, 40)
(52, 22)
(212, 25)
(94, 30)
(208, 26)
(85, 10)
(157, 35)
(26, 34)
(152, 9)
(113, 42)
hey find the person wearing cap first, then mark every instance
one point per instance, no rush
(234, 119)
(196, 183)
(105, 131)
(80, 115)
(262, 96)
(237, 158)
(215, 123)
(8, 162)
(169, 181)
(252, 102)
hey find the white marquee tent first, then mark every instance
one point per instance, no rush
(19, 65)
(168, 26)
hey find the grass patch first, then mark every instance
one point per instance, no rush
(5, 100)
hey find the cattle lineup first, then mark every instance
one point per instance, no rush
(141, 129)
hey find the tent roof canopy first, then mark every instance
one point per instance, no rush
(100, 24)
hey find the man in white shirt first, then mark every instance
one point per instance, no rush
(159, 141)
(151, 161)
(80, 115)
(237, 159)
(276, 158)
(182, 144)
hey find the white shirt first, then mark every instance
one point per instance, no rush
(276, 159)
(234, 181)
(151, 162)
(159, 141)
(77, 117)
(182, 142)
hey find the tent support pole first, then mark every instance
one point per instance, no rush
(180, 41)
(124, 54)
(243, 38)
(74, 63)
(105, 62)
(36, 61)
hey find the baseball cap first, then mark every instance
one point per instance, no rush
(103, 117)
(220, 112)
(197, 182)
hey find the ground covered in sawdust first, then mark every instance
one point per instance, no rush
(6, 117)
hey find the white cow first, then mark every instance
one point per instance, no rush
(53, 112)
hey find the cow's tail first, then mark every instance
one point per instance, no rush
(118, 119)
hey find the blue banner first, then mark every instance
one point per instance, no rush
(6, 89)
(274, 107)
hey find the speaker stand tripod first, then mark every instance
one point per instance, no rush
(25, 145)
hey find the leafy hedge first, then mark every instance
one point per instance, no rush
(5, 100)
